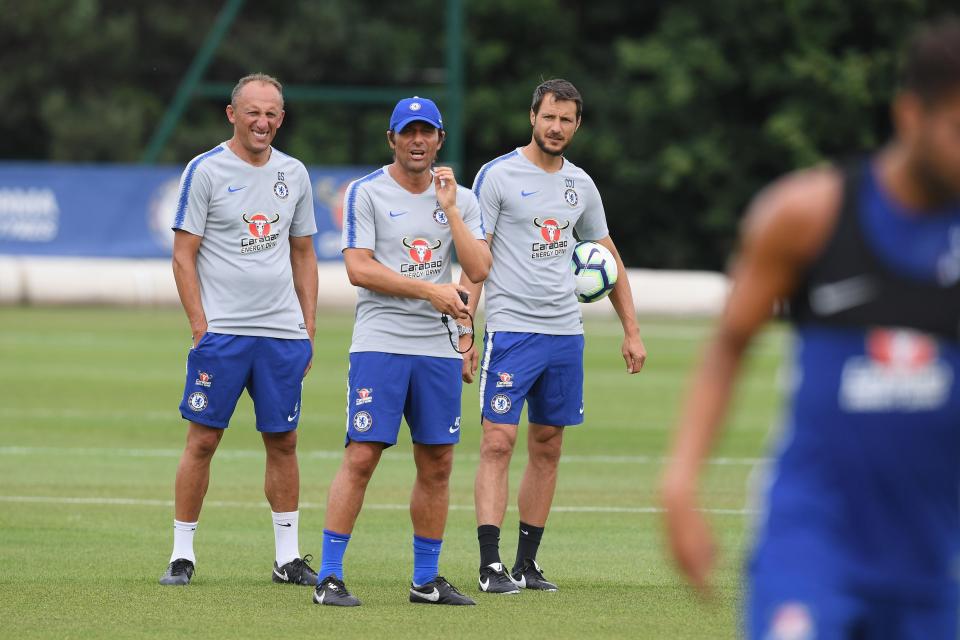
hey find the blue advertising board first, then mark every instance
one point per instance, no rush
(124, 211)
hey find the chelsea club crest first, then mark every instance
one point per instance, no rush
(570, 195)
(439, 215)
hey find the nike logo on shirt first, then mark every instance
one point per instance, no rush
(235, 189)
(397, 214)
(525, 194)
(833, 297)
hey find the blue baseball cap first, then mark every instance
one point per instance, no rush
(412, 109)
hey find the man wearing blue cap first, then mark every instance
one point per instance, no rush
(402, 224)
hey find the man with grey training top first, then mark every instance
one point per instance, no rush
(533, 200)
(246, 272)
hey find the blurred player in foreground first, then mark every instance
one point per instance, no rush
(860, 531)
(533, 199)
(402, 224)
(246, 271)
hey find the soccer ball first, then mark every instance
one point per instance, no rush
(594, 271)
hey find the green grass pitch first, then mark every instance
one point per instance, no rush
(90, 437)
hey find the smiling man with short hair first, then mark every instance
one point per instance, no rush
(246, 272)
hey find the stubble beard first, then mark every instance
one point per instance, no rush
(543, 147)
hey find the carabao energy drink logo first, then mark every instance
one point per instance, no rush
(259, 226)
(421, 251)
(551, 231)
(901, 371)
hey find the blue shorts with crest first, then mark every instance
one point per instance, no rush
(544, 370)
(382, 388)
(221, 366)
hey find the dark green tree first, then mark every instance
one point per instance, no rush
(690, 105)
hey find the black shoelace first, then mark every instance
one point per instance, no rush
(336, 583)
(440, 580)
(180, 565)
(305, 560)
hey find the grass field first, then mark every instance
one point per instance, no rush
(90, 437)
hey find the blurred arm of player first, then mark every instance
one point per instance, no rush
(784, 229)
(185, 248)
(633, 350)
(364, 271)
(471, 358)
(303, 263)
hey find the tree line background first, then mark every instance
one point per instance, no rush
(690, 105)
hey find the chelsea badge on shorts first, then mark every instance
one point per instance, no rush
(500, 403)
(362, 421)
(197, 401)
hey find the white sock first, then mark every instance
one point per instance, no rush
(183, 541)
(285, 536)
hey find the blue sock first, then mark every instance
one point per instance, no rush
(334, 546)
(426, 559)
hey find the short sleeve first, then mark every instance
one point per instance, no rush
(304, 222)
(486, 189)
(592, 225)
(359, 224)
(471, 213)
(194, 200)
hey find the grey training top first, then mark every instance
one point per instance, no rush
(246, 215)
(408, 233)
(532, 215)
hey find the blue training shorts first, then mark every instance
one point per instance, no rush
(812, 605)
(271, 370)
(544, 370)
(383, 387)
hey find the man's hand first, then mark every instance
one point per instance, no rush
(312, 330)
(470, 359)
(634, 353)
(446, 299)
(691, 541)
(445, 185)
(198, 329)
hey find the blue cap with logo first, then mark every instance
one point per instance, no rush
(412, 109)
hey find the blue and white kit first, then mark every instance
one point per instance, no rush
(257, 337)
(534, 332)
(401, 360)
